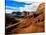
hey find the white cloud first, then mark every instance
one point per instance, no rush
(30, 8)
(11, 9)
(21, 9)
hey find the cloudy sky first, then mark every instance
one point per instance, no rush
(20, 5)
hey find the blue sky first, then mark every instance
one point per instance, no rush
(19, 5)
(15, 4)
